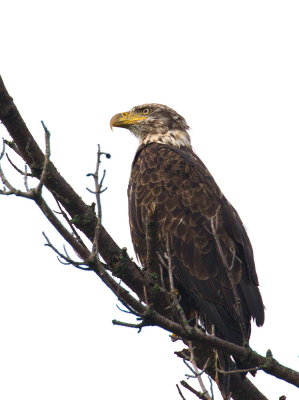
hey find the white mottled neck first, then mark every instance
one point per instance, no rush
(176, 138)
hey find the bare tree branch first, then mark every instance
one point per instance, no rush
(119, 263)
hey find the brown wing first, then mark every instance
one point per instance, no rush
(205, 232)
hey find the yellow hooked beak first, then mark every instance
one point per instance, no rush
(123, 120)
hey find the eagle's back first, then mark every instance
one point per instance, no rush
(174, 188)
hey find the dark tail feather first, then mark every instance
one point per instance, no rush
(243, 365)
(226, 380)
(224, 363)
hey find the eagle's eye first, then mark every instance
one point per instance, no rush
(146, 111)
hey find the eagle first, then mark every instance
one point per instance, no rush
(197, 229)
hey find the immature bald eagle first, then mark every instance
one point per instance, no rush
(209, 248)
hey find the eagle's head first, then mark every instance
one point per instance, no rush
(154, 123)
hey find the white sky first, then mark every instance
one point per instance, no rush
(231, 69)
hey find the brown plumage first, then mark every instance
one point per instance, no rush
(210, 249)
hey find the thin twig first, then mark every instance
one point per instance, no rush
(170, 267)
(26, 178)
(216, 357)
(101, 182)
(131, 310)
(7, 184)
(3, 149)
(238, 371)
(129, 325)
(122, 310)
(98, 185)
(68, 261)
(197, 373)
(211, 386)
(97, 192)
(71, 225)
(180, 392)
(161, 271)
(13, 146)
(16, 168)
(200, 395)
(39, 187)
(173, 291)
